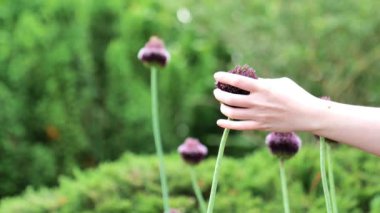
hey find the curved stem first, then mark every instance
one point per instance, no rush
(197, 190)
(217, 170)
(157, 139)
(284, 188)
(323, 173)
(331, 178)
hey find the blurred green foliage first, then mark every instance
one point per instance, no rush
(250, 184)
(70, 82)
(73, 94)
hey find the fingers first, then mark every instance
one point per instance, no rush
(242, 113)
(239, 125)
(235, 113)
(239, 81)
(231, 99)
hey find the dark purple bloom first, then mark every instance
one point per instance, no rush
(240, 70)
(154, 52)
(192, 151)
(284, 145)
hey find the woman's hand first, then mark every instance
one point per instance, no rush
(280, 105)
(273, 105)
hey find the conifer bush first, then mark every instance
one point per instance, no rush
(249, 184)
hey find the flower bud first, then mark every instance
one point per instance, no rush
(240, 70)
(284, 145)
(192, 151)
(154, 52)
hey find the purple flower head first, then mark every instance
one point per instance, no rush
(174, 211)
(154, 52)
(244, 70)
(192, 151)
(284, 145)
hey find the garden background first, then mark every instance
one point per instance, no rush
(75, 122)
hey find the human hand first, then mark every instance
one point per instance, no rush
(273, 104)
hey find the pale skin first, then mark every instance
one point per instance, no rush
(281, 105)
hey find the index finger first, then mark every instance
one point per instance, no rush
(236, 80)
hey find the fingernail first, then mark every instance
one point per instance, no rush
(217, 75)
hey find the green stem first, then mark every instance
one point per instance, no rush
(197, 190)
(217, 170)
(284, 188)
(323, 174)
(157, 139)
(331, 178)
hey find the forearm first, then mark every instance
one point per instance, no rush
(357, 126)
(281, 105)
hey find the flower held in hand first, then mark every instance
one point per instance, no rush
(240, 70)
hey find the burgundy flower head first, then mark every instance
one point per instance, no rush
(284, 145)
(154, 52)
(240, 70)
(192, 151)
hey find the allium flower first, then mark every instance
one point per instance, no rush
(154, 52)
(192, 151)
(174, 211)
(240, 70)
(283, 144)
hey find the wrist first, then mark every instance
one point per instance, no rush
(318, 115)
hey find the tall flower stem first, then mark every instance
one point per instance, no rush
(157, 139)
(197, 190)
(331, 178)
(217, 170)
(323, 174)
(284, 188)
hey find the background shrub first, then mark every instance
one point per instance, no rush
(250, 184)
